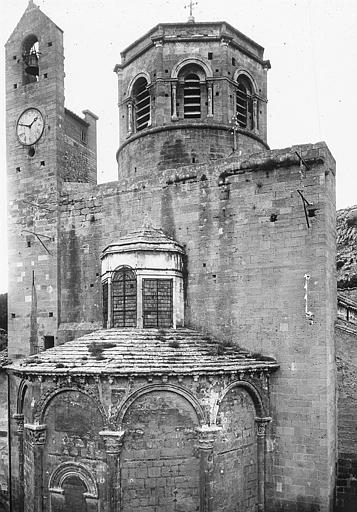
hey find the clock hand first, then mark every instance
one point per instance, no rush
(27, 125)
(33, 122)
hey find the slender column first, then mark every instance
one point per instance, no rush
(139, 302)
(19, 418)
(261, 432)
(110, 308)
(174, 101)
(36, 437)
(207, 435)
(255, 115)
(130, 118)
(210, 99)
(113, 445)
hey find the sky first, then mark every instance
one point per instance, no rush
(311, 44)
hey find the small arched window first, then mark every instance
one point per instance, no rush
(124, 292)
(141, 104)
(244, 103)
(192, 97)
(30, 57)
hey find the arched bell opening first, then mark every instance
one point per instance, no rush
(142, 105)
(30, 58)
(192, 93)
(244, 103)
(192, 97)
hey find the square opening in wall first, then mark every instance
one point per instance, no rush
(49, 342)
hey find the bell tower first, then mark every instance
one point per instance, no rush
(46, 145)
(190, 93)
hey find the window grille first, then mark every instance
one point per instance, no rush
(244, 104)
(105, 303)
(157, 303)
(124, 298)
(192, 97)
(142, 104)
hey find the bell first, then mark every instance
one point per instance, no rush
(32, 64)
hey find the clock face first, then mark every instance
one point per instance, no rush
(30, 126)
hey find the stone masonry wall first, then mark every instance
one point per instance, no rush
(160, 469)
(243, 225)
(346, 355)
(4, 470)
(178, 146)
(80, 160)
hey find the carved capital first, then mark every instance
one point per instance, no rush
(113, 440)
(36, 434)
(19, 418)
(207, 436)
(262, 424)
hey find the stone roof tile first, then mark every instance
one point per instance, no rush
(142, 352)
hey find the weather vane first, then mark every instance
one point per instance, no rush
(191, 19)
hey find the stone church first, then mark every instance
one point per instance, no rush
(172, 334)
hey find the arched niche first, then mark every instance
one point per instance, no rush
(73, 420)
(160, 446)
(236, 454)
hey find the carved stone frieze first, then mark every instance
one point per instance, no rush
(19, 418)
(113, 440)
(207, 435)
(35, 433)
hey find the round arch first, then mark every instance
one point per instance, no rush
(21, 392)
(201, 417)
(199, 61)
(142, 74)
(42, 406)
(251, 390)
(122, 268)
(244, 73)
(28, 42)
(73, 469)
